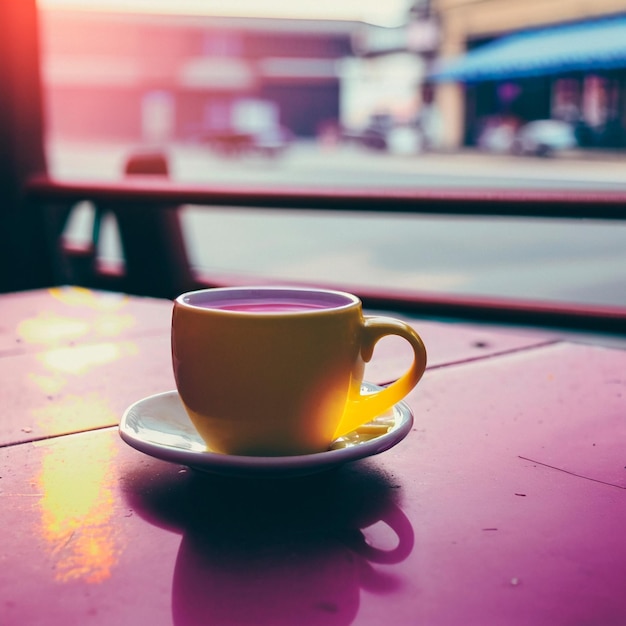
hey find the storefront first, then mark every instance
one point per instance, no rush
(574, 72)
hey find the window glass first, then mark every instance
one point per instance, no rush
(355, 95)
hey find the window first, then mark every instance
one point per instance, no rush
(560, 133)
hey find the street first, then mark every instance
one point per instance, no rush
(567, 260)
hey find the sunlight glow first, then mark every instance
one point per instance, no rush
(67, 413)
(82, 297)
(50, 329)
(80, 359)
(76, 510)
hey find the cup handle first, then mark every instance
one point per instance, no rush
(364, 408)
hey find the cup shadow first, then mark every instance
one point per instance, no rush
(275, 551)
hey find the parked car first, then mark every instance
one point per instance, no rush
(497, 134)
(544, 137)
(374, 134)
(384, 134)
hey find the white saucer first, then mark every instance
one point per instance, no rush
(159, 426)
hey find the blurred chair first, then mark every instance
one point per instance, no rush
(148, 164)
(156, 260)
(154, 257)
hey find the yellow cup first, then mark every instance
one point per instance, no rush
(273, 371)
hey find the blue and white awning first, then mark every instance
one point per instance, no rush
(586, 46)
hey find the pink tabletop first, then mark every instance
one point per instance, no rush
(505, 505)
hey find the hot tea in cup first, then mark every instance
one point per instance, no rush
(273, 371)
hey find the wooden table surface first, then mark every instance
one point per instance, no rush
(505, 505)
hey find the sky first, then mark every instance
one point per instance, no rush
(382, 12)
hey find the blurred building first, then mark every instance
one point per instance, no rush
(503, 62)
(156, 78)
(384, 80)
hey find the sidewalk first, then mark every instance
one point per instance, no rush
(307, 162)
(574, 166)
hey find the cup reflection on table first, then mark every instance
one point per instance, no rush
(276, 552)
(282, 557)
